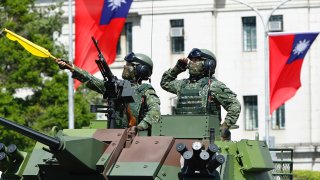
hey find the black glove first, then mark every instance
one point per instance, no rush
(181, 66)
(62, 64)
(225, 133)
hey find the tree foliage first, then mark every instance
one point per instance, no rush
(47, 104)
(305, 174)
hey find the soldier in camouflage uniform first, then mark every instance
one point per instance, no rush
(146, 107)
(202, 93)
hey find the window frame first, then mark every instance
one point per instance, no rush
(124, 45)
(177, 44)
(278, 118)
(251, 35)
(251, 107)
(276, 18)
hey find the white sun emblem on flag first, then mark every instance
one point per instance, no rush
(300, 47)
(115, 4)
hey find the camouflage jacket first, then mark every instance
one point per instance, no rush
(151, 104)
(219, 91)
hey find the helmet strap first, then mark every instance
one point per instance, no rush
(139, 80)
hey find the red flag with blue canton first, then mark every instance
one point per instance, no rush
(103, 19)
(286, 54)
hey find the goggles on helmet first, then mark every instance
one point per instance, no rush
(132, 58)
(197, 53)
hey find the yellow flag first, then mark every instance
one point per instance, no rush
(28, 45)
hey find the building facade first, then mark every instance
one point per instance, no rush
(168, 29)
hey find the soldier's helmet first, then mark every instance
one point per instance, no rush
(209, 54)
(144, 65)
(210, 61)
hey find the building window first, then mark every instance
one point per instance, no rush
(249, 33)
(278, 118)
(124, 45)
(251, 112)
(177, 36)
(276, 23)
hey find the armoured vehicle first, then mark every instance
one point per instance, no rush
(180, 147)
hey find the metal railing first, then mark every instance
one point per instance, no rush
(283, 163)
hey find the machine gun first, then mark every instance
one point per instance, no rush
(117, 92)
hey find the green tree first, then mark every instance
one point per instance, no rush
(47, 104)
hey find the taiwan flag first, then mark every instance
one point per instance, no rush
(104, 20)
(286, 53)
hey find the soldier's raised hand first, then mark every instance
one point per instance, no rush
(64, 64)
(182, 64)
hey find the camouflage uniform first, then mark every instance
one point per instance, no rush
(194, 97)
(146, 107)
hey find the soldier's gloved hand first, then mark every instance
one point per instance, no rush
(225, 133)
(62, 64)
(143, 125)
(133, 129)
(181, 65)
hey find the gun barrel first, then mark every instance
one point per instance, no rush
(53, 143)
(102, 64)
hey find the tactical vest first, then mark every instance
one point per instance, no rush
(194, 98)
(139, 107)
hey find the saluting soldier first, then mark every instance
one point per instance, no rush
(202, 93)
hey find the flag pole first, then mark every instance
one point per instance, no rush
(70, 80)
(266, 61)
(267, 75)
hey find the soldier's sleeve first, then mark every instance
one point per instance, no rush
(153, 104)
(228, 100)
(89, 80)
(169, 82)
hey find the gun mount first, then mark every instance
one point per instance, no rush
(117, 91)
